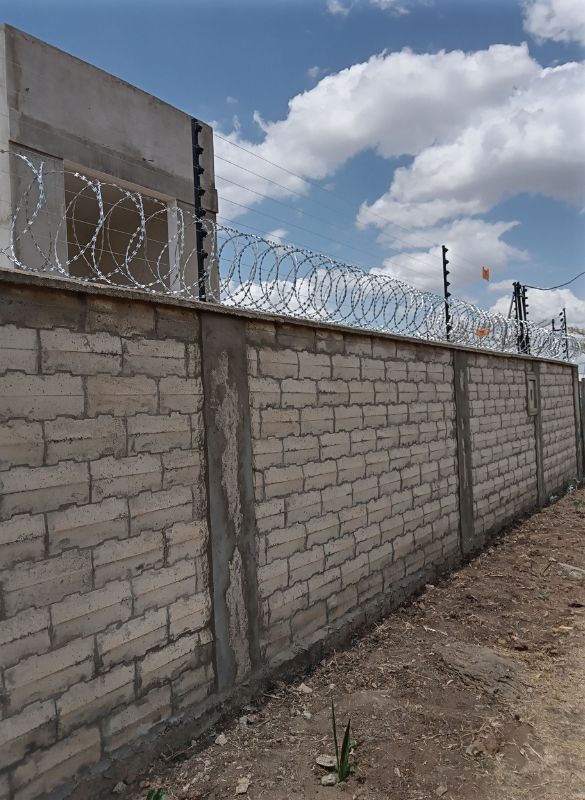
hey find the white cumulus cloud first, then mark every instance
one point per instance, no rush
(478, 127)
(559, 20)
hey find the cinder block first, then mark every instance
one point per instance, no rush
(373, 369)
(259, 332)
(328, 341)
(365, 490)
(177, 323)
(22, 538)
(383, 348)
(161, 587)
(301, 449)
(367, 538)
(268, 453)
(362, 441)
(324, 585)
(335, 445)
(38, 584)
(352, 518)
(124, 642)
(133, 722)
(21, 444)
(64, 350)
(381, 557)
(314, 365)
(121, 396)
(284, 603)
(272, 577)
(85, 526)
(283, 481)
(46, 770)
(38, 677)
(316, 420)
(192, 686)
(186, 540)
(336, 497)
(301, 507)
(264, 392)
(22, 635)
(18, 349)
(358, 344)
(180, 394)
(168, 661)
(348, 418)
(338, 551)
(270, 514)
(189, 614)
(118, 558)
(342, 603)
(156, 510)
(322, 529)
(309, 620)
(156, 358)
(84, 614)
(158, 433)
(345, 367)
(283, 542)
(333, 392)
(87, 701)
(32, 729)
(355, 569)
(295, 336)
(279, 422)
(361, 392)
(350, 468)
(182, 468)
(119, 317)
(298, 393)
(84, 439)
(43, 488)
(125, 476)
(320, 474)
(278, 363)
(41, 396)
(303, 565)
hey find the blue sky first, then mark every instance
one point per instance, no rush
(238, 64)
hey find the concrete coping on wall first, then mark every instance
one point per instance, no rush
(60, 283)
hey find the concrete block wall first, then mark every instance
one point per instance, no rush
(192, 497)
(355, 467)
(104, 581)
(503, 441)
(558, 426)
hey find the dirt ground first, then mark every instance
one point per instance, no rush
(475, 691)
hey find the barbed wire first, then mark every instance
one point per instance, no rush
(106, 233)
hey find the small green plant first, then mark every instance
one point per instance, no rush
(156, 794)
(578, 505)
(343, 767)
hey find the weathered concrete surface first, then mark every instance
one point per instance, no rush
(232, 519)
(100, 122)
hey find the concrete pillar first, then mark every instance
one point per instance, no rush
(469, 541)
(230, 491)
(538, 441)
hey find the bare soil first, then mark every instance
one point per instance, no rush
(474, 691)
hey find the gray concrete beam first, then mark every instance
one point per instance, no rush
(468, 540)
(232, 520)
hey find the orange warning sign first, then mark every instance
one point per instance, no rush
(481, 332)
(485, 273)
